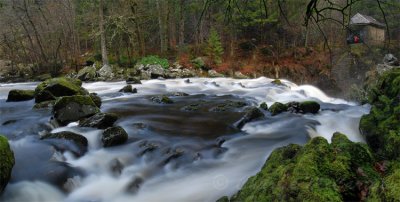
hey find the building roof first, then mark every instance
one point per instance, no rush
(359, 19)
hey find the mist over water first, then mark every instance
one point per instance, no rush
(172, 154)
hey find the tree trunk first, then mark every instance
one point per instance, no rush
(181, 25)
(161, 27)
(138, 31)
(102, 34)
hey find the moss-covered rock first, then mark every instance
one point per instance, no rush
(316, 172)
(45, 104)
(114, 136)
(252, 113)
(228, 105)
(264, 106)
(96, 99)
(59, 87)
(309, 107)
(128, 89)
(163, 99)
(20, 95)
(277, 82)
(381, 126)
(73, 108)
(277, 108)
(7, 162)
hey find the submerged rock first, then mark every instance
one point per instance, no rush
(309, 107)
(20, 95)
(73, 108)
(264, 106)
(7, 162)
(128, 89)
(99, 120)
(114, 136)
(58, 87)
(229, 105)
(319, 171)
(162, 99)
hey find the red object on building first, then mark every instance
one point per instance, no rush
(356, 39)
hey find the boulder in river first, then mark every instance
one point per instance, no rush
(277, 108)
(7, 162)
(128, 89)
(163, 99)
(99, 120)
(87, 73)
(20, 95)
(264, 106)
(58, 87)
(114, 136)
(133, 80)
(79, 140)
(309, 107)
(73, 108)
(96, 99)
(252, 113)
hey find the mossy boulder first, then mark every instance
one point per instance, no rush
(309, 107)
(229, 105)
(319, 171)
(99, 120)
(73, 108)
(114, 136)
(58, 87)
(381, 126)
(96, 99)
(133, 80)
(20, 95)
(264, 106)
(277, 108)
(277, 82)
(87, 74)
(7, 162)
(163, 99)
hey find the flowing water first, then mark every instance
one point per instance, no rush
(173, 153)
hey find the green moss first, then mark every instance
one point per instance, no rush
(319, 171)
(61, 87)
(264, 106)
(79, 99)
(277, 108)
(277, 82)
(20, 95)
(7, 162)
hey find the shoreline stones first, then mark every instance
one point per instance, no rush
(114, 136)
(16, 95)
(7, 162)
(73, 108)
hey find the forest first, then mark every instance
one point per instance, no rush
(258, 36)
(199, 100)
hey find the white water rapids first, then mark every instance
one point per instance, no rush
(203, 173)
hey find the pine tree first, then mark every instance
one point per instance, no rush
(214, 47)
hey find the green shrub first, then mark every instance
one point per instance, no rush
(154, 60)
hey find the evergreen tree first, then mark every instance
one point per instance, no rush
(214, 47)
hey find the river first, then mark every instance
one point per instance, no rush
(172, 154)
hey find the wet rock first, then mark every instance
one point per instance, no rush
(277, 82)
(188, 81)
(178, 94)
(20, 95)
(128, 89)
(277, 108)
(134, 186)
(73, 108)
(44, 96)
(99, 120)
(79, 140)
(155, 71)
(192, 107)
(45, 104)
(114, 136)
(116, 167)
(264, 106)
(87, 74)
(7, 162)
(58, 87)
(162, 99)
(252, 114)
(133, 80)
(8, 122)
(96, 99)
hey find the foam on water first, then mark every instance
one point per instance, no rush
(203, 179)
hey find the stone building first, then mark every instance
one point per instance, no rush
(366, 29)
